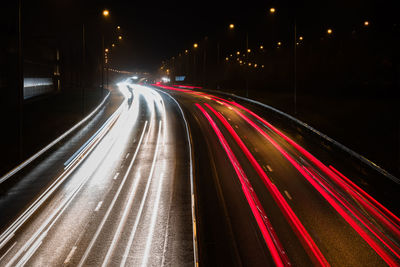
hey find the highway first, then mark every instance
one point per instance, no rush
(122, 199)
(265, 200)
(174, 176)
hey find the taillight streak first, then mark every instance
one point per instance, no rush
(384, 255)
(308, 243)
(277, 252)
(376, 209)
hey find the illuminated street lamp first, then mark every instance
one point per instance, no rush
(106, 50)
(120, 37)
(231, 26)
(329, 31)
(106, 12)
(279, 43)
(113, 45)
(226, 58)
(261, 47)
(238, 53)
(118, 27)
(272, 10)
(195, 45)
(366, 23)
(248, 50)
(301, 38)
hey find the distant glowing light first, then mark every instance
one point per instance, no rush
(272, 10)
(248, 50)
(113, 45)
(106, 50)
(231, 26)
(120, 37)
(106, 12)
(195, 45)
(165, 79)
(329, 31)
(366, 23)
(249, 64)
(226, 58)
(279, 43)
(301, 38)
(186, 51)
(261, 47)
(237, 53)
(118, 27)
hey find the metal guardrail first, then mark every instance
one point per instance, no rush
(57, 140)
(315, 131)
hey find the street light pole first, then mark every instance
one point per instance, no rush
(83, 68)
(20, 83)
(247, 56)
(295, 66)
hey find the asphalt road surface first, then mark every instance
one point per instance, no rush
(123, 199)
(178, 177)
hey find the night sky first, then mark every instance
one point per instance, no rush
(155, 31)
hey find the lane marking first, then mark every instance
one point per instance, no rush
(94, 238)
(127, 155)
(71, 253)
(123, 219)
(139, 215)
(116, 176)
(288, 195)
(192, 184)
(98, 206)
(269, 168)
(150, 235)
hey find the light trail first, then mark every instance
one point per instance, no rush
(138, 216)
(279, 256)
(94, 238)
(349, 219)
(305, 238)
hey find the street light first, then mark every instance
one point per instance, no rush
(118, 27)
(106, 12)
(279, 43)
(231, 26)
(120, 37)
(366, 23)
(272, 10)
(106, 50)
(113, 45)
(301, 38)
(195, 45)
(261, 47)
(248, 50)
(329, 31)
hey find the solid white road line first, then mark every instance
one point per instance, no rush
(192, 190)
(88, 249)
